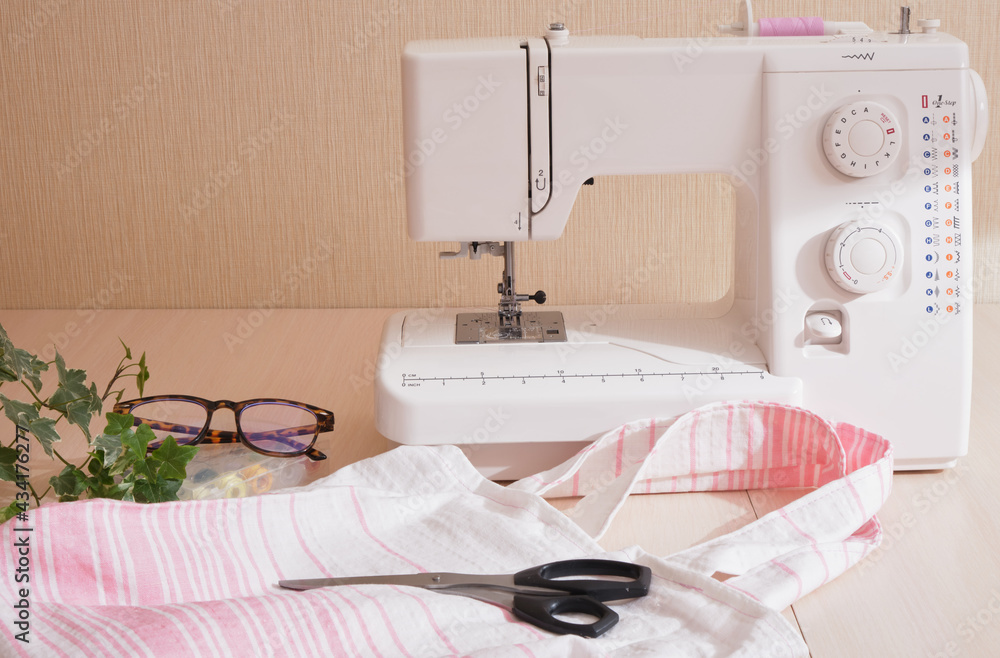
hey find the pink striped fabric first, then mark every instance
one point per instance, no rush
(198, 578)
(727, 446)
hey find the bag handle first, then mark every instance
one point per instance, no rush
(732, 446)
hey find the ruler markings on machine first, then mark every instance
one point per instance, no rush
(563, 377)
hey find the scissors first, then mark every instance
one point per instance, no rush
(536, 595)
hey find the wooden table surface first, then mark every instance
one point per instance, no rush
(932, 589)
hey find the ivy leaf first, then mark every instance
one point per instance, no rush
(95, 466)
(69, 483)
(19, 413)
(17, 361)
(173, 458)
(73, 380)
(37, 366)
(118, 423)
(138, 440)
(144, 469)
(9, 512)
(145, 434)
(159, 490)
(44, 430)
(79, 414)
(124, 491)
(60, 399)
(122, 464)
(96, 403)
(73, 397)
(104, 479)
(8, 456)
(80, 410)
(110, 445)
(131, 441)
(101, 484)
(17, 364)
(128, 352)
(142, 375)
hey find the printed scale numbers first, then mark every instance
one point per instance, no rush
(563, 377)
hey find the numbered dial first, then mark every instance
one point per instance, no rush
(862, 139)
(863, 257)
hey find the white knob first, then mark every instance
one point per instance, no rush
(863, 257)
(823, 328)
(929, 25)
(862, 139)
(557, 34)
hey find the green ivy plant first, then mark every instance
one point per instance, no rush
(116, 465)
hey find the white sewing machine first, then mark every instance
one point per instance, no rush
(850, 152)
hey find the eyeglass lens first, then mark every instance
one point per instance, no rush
(278, 427)
(180, 419)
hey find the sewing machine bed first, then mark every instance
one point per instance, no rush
(544, 401)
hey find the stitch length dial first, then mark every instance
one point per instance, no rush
(861, 139)
(863, 257)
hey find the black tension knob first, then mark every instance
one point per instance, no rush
(538, 297)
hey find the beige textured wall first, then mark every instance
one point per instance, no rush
(118, 121)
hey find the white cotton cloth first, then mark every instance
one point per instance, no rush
(199, 578)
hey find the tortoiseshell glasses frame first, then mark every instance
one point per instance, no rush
(294, 434)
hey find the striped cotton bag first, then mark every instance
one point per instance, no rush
(198, 578)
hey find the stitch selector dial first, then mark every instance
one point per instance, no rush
(862, 139)
(863, 257)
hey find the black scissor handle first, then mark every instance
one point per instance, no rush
(548, 575)
(542, 610)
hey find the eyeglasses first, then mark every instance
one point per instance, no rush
(270, 426)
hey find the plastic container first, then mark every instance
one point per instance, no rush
(235, 472)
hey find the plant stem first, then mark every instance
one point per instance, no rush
(118, 373)
(56, 453)
(37, 399)
(38, 499)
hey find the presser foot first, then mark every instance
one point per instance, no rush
(530, 327)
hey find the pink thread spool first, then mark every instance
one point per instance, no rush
(808, 26)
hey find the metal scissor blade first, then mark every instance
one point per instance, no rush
(414, 580)
(435, 580)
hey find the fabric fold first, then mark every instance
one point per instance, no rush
(199, 578)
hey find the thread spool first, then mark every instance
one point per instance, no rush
(232, 486)
(292, 474)
(201, 493)
(258, 477)
(803, 26)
